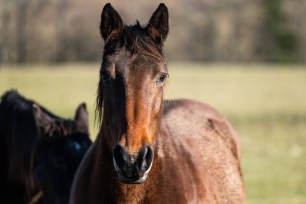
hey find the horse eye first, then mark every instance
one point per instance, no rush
(104, 75)
(161, 78)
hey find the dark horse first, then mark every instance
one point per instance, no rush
(149, 150)
(39, 151)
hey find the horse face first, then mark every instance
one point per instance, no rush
(62, 146)
(132, 78)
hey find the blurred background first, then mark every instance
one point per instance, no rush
(247, 58)
(51, 31)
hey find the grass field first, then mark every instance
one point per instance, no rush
(266, 104)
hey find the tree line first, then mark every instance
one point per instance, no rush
(55, 31)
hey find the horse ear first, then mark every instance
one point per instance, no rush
(158, 26)
(111, 23)
(81, 118)
(43, 121)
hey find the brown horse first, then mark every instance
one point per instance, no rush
(149, 150)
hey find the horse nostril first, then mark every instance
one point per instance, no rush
(121, 156)
(145, 157)
(132, 168)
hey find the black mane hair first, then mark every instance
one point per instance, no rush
(17, 121)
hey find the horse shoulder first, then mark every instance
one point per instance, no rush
(204, 147)
(207, 116)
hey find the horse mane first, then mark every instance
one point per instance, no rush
(17, 120)
(135, 40)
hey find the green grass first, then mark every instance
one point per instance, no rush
(266, 104)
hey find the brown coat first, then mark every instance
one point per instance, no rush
(196, 161)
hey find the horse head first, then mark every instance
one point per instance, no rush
(130, 92)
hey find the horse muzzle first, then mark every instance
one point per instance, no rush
(132, 169)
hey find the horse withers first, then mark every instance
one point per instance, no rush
(40, 151)
(149, 150)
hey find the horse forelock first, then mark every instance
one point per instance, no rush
(135, 40)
